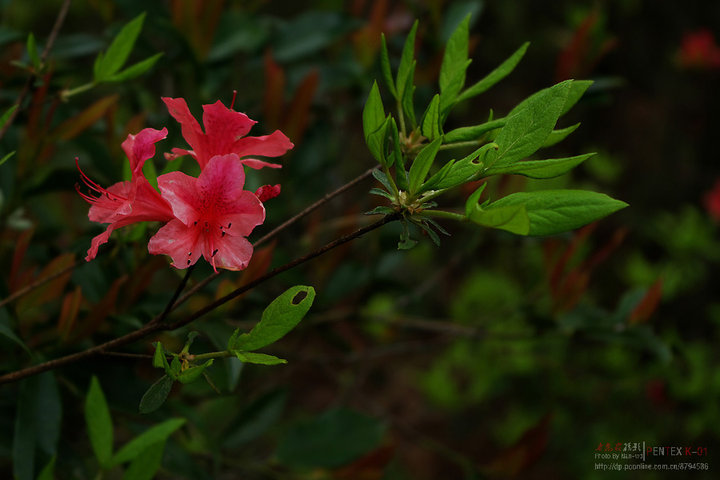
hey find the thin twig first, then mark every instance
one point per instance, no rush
(43, 56)
(178, 291)
(157, 326)
(274, 232)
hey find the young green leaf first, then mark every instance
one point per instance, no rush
(151, 436)
(421, 165)
(193, 373)
(529, 124)
(135, 70)
(438, 177)
(156, 395)
(32, 51)
(472, 202)
(107, 64)
(454, 65)
(465, 134)
(430, 125)
(513, 218)
(496, 75)
(7, 157)
(557, 211)
(407, 103)
(99, 423)
(258, 358)
(159, 359)
(147, 463)
(373, 115)
(6, 115)
(377, 144)
(467, 168)
(385, 67)
(549, 168)
(407, 64)
(557, 136)
(281, 316)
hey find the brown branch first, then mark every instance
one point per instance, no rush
(155, 326)
(43, 56)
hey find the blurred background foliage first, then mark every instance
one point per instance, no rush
(491, 356)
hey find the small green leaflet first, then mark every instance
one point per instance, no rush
(421, 165)
(557, 136)
(385, 67)
(146, 464)
(258, 358)
(281, 316)
(513, 219)
(108, 64)
(407, 65)
(466, 168)
(454, 65)
(430, 125)
(464, 134)
(549, 168)
(32, 51)
(6, 115)
(193, 373)
(373, 114)
(557, 211)
(496, 75)
(99, 423)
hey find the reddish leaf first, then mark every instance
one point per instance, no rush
(69, 312)
(21, 246)
(369, 467)
(298, 115)
(274, 92)
(52, 289)
(74, 126)
(522, 455)
(100, 311)
(649, 303)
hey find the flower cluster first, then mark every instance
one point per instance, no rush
(209, 216)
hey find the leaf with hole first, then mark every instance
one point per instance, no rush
(281, 316)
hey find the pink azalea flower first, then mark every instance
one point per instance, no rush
(225, 132)
(125, 203)
(213, 215)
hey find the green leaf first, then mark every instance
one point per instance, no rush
(557, 211)
(258, 358)
(47, 472)
(430, 126)
(577, 89)
(281, 316)
(385, 67)
(421, 165)
(159, 359)
(331, 440)
(377, 143)
(396, 155)
(408, 106)
(438, 177)
(6, 116)
(373, 115)
(381, 210)
(107, 64)
(529, 124)
(383, 179)
(548, 168)
(407, 64)
(467, 168)
(513, 219)
(464, 134)
(557, 136)
(32, 51)
(99, 423)
(156, 395)
(135, 70)
(454, 65)
(472, 202)
(193, 373)
(151, 436)
(7, 157)
(496, 75)
(147, 463)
